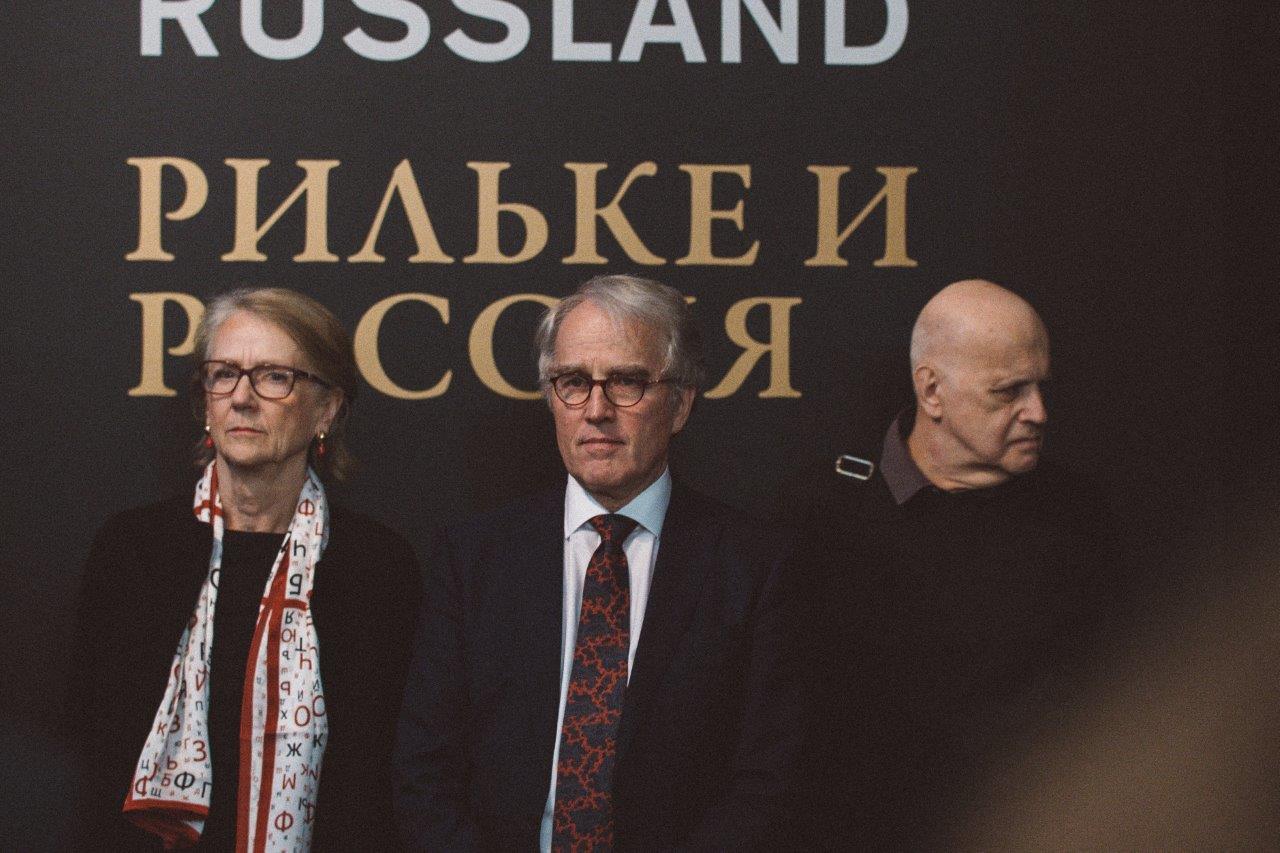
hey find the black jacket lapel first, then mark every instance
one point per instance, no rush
(537, 560)
(687, 540)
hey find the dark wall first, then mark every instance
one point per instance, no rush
(1077, 153)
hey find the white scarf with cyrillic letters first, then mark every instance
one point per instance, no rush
(283, 724)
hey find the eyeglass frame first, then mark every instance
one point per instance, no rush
(604, 387)
(295, 372)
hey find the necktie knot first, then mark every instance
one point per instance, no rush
(613, 528)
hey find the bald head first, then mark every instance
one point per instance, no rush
(979, 355)
(970, 315)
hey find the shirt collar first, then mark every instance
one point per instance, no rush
(900, 471)
(649, 508)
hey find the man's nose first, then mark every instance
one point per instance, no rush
(598, 407)
(1035, 411)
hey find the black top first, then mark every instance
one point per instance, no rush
(247, 559)
(142, 579)
(954, 622)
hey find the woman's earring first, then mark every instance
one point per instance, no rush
(208, 439)
(320, 443)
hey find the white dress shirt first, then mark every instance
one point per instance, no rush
(648, 508)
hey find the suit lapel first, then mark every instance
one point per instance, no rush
(537, 571)
(673, 596)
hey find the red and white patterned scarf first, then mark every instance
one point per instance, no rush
(283, 725)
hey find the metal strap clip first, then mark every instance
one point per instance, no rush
(855, 467)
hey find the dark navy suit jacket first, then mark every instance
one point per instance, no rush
(712, 717)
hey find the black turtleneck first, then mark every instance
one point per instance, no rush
(247, 559)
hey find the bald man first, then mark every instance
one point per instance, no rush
(964, 579)
(979, 359)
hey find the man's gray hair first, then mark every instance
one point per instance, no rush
(921, 341)
(631, 299)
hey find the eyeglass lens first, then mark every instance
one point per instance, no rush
(272, 383)
(574, 389)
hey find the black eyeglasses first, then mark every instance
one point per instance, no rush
(269, 381)
(574, 389)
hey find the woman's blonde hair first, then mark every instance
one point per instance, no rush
(323, 341)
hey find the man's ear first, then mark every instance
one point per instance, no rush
(683, 400)
(925, 380)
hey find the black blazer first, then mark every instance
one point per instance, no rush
(709, 731)
(141, 583)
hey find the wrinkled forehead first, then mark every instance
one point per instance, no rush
(1021, 355)
(599, 340)
(249, 339)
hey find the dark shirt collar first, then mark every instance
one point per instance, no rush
(906, 480)
(900, 471)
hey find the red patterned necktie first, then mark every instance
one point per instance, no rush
(593, 706)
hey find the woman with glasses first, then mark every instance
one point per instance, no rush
(242, 655)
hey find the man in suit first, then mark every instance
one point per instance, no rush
(966, 580)
(614, 664)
